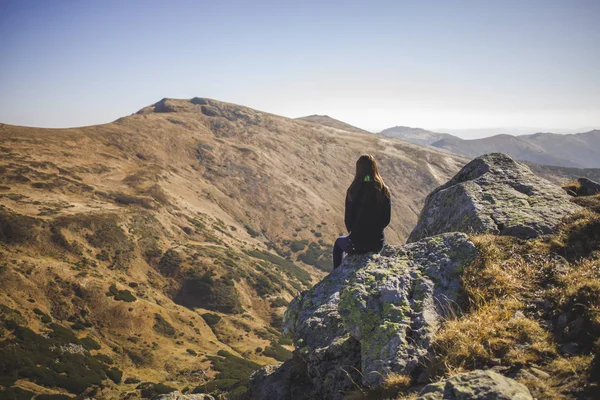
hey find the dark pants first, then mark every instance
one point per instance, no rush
(342, 245)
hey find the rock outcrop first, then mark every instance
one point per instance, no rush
(476, 385)
(494, 194)
(373, 315)
(587, 187)
(377, 313)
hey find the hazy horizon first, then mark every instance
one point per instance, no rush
(467, 67)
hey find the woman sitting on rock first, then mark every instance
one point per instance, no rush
(368, 208)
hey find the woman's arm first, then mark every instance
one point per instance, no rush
(387, 213)
(348, 215)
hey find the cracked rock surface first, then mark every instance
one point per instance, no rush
(373, 315)
(494, 194)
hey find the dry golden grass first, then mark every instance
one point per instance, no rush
(396, 383)
(409, 396)
(567, 375)
(572, 187)
(393, 385)
(495, 330)
(499, 325)
(579, 290)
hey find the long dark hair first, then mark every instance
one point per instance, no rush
(367, 174)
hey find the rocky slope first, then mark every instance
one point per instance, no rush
(389, 317)
(161, 249)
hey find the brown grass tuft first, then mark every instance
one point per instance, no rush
(394, 384)
(514, 295)
(572, 188)
(497, 330)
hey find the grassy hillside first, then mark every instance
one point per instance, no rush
(159, 251)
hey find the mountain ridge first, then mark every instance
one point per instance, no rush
(326, 120)
(416, 135)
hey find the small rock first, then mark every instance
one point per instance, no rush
(495, 361)
(573, 328)
(523, 374)
(542, 304)
(519, 315)
(562, 321)
(570, 348)
(539, 373)
(476, 385)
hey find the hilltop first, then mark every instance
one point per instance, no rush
(161, 249)
(326, 120)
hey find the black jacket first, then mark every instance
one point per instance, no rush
(366, 218)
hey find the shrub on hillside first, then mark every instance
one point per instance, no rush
(277, 351)
(233, 374)
(203, 290)
(170, 263)
(279, 302)
(287, 266)
(55, 359)
(162, 326)
(150, 390)
(211, 319)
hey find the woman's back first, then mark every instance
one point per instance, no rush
(368, 209)
(367, 215)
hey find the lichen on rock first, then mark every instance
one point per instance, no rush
(476, 385)
(494, 194)
(376, 314)
(373, 315)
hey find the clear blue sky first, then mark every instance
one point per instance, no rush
(375, 64)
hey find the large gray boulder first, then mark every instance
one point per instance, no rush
(374, 315)
(476, 385)
(494, 194)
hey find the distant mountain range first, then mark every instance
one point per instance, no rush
(580, 150)
(416, 135)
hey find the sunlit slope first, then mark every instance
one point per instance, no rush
(168, 241)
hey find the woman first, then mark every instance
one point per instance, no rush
(368, 208)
